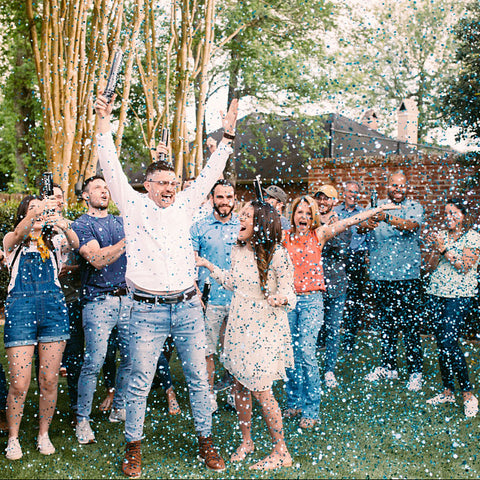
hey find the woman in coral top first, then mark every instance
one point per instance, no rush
(304, 243)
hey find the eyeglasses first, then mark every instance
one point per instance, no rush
(164, 183)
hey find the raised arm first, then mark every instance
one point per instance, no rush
(23, 229)
(217, 161)
(116, 179)
(326, 232)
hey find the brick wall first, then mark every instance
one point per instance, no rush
(431, 179)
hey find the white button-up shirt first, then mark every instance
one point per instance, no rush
(159, 250)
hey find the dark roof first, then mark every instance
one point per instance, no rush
(285, 151)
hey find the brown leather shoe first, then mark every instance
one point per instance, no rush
(132, 463)
(209, 455)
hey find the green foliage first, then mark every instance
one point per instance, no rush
(275, 56)
(397, 49)
(22, 148)
(461, 95)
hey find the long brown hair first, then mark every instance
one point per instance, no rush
(47, 232)
(267, 234)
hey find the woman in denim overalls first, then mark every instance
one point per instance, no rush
(35, 312)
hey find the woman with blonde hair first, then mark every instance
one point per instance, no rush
(304, 243)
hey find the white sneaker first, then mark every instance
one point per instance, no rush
(415, 382)
(13, 450)
(84, 432)
(117, 415)
(441, 398)
(330, 380)
(213, 402)
(471, 407)
(381, 372)
(44, 445)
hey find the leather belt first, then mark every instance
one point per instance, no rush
(167, 299)
(119, 292)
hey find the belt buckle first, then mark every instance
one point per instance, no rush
(170, 301)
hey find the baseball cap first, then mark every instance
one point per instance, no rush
(329, 190)
(277, 193)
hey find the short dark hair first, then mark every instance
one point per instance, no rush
(159, 166)
(224, 183)
(89, 180)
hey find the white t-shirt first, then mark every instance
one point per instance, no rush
(446, 280)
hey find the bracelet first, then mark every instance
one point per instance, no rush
(228, 136)
(387, 218)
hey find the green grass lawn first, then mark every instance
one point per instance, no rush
(366, 431)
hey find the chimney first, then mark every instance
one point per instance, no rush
(370, 119)
(407, 116)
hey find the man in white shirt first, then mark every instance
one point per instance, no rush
(161, 273)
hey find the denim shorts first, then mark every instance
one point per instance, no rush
(38, 318)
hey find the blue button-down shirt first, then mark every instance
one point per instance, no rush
(395, 254)
(358, 241)
(213, 240)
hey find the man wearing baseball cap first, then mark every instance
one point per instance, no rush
(278, 199)
(333, 258)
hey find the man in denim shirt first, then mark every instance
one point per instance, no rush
(213, 238)
(395, 271)
(355, 265)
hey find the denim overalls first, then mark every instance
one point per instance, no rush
(35, 309)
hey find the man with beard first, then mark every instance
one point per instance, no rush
(106, 305)
(213, 238)
(394, 269)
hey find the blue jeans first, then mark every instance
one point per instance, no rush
(333, 308)
(100, 316)
(449, 319)
(303, 381)
(149, 327)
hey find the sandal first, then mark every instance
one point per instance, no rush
(307, 423)
(242, 451)
(291, 412)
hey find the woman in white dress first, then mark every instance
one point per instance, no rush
(257, 345)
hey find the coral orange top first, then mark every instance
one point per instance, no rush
(306, 256)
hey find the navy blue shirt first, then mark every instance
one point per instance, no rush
(106, 231)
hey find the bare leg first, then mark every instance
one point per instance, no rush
(20, 367)
(243, 404)
(50, 355)
(280, 457)
(210, 370)
(173, 406)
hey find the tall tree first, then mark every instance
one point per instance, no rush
(461, 90)
(395, 49)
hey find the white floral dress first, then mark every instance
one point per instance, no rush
(257, 345)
